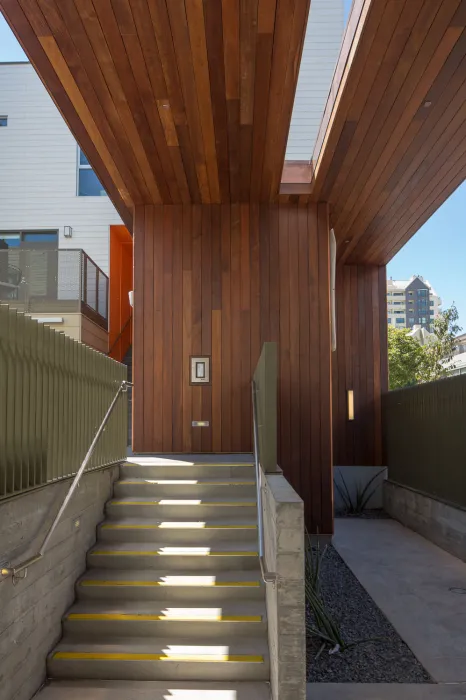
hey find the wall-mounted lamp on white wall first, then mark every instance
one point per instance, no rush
(68, 231)
(350, 401)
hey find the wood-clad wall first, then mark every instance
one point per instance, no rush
(220, 280)
(360, 363)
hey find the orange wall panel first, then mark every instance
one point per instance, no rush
(121, 282)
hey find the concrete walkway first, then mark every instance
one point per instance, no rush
(419, 587)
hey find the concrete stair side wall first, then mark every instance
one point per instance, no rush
(31, 611)
(283, 514)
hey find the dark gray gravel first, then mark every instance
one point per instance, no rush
(386, 661)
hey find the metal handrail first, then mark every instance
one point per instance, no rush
(267, 576)
(14, 571)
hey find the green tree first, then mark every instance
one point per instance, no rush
(405, 358)
(410, 363)
(441, 348)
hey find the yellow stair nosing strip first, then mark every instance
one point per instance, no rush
(193, 529)
(113, 656)
(220, 584)
(190, 466)
(122, 617)
(143, 553)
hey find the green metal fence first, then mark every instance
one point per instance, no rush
(425, 438)
(54, 392)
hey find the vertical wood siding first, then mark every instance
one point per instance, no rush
(220, 280)
(360, 363)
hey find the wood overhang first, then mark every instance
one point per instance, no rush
(173, 101)
(392, 144)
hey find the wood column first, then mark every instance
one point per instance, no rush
(360, 363)
(220, 280)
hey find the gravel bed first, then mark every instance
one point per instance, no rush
(387, 661)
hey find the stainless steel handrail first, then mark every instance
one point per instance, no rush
(267, 576)
(14, 571)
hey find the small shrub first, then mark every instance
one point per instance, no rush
(355, 505)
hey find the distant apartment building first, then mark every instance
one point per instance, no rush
(412, 302)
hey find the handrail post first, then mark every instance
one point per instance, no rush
(14, 571)
(267, 576)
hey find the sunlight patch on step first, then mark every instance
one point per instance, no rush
(157, 461)
(185, 694)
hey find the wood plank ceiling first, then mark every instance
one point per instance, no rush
(392, 145)
(173, 101)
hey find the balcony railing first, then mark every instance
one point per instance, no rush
(53, 281)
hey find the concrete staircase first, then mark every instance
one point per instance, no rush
(173, 591)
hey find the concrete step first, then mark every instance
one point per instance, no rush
(129, 555)
(178, 532)
(182, 509)
(173, 469)
(167, 659)
(153, 690)
(192, 487)
(115, 584)
(92, 620)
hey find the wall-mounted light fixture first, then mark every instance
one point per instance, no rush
(68, 231)
(350, 404)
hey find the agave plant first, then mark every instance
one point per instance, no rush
(357, 503)
(322, 625)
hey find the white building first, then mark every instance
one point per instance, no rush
(320, 54)
(41, 183)
(412, 302)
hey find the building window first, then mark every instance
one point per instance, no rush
(389, 320)
(400, 320)
(28, 239)
(432, 312)
(89, 184)
(411, 320)
(431, 303)
(3, 121)
(422, 292)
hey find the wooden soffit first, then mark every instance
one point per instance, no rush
(173, 101)
(392, 144)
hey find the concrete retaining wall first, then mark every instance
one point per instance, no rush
(358, 477)
(283, 512)
(31, 610)
(442, 524)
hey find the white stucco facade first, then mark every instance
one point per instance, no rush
(38, 170)
(320, 54)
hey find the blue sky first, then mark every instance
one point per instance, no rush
(437, 251)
